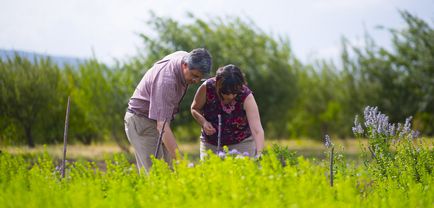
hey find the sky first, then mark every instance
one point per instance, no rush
(108, 29)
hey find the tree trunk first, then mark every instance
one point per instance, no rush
(30, 142)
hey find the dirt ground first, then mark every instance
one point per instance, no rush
(305, 147)
(350, 148)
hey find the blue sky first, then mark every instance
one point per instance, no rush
(109, 28)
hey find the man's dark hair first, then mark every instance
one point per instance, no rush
(199, 59)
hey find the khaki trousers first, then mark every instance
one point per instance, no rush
(143, 135)
(247, 145)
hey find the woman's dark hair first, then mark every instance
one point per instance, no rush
(229, 80)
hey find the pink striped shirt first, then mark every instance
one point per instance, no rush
(161, 90)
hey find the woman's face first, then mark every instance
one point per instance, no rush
(228, 97)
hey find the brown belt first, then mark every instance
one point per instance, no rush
(135, 113)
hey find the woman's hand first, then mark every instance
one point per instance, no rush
(208, 128)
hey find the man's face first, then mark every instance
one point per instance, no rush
(192, 76)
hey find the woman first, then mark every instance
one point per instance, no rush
(227, 95)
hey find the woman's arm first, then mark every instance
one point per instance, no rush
(196, 110)
(254, 120)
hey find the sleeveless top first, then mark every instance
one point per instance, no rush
(235, 126)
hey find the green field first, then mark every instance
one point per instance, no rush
(102, 176)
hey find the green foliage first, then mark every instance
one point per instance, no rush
(34, 97)
(400, 81)
(394, 152)
(29, 96)
(321, 107)
(99, 97)
(285, 156)
(216, 182)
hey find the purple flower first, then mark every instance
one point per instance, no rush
(246, 154)
(407, 125)
(328, 141)
(377, 122)
(234, 152)
(415, 134)
(392, 130)
(370, 116)
(191, 165)
(222, 154)
(378, 125)
(357, 129)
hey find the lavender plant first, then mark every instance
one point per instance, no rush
(394, 147)
(380, 133)
(337, 162)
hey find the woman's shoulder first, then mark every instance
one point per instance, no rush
(245, 92)
(210, 88)
(211, 80)
(210, 83)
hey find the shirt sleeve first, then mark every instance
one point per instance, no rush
(163, 99)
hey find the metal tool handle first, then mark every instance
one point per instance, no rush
(219, 134)
(160, 139)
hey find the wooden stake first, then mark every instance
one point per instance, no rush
(65, 138)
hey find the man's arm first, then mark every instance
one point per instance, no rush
(168, 138)
(162, 103)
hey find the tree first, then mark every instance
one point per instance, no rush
(26, 91)
(99, 99)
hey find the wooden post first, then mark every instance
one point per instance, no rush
(65, 138)
(331, 167)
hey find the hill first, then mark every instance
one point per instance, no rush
(32, 56)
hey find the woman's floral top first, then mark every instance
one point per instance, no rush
(235, 126)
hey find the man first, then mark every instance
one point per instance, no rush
(156, 100)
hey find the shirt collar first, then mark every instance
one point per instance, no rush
(180, 74)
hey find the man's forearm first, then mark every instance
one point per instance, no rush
(169, 142)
